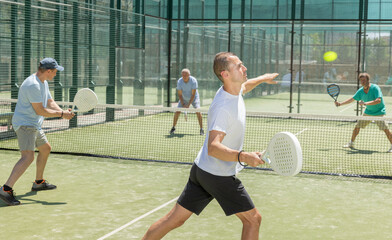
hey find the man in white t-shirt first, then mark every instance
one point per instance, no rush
(213, 175)
(188, 94)
(34, 103)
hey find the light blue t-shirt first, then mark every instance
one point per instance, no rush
(32, 90)
(187, 88)
(227, 114)
(373, 93)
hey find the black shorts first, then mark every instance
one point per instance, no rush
(202, 187)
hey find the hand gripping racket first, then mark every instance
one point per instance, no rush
(333, 91)
(84, 100)
(284, 154)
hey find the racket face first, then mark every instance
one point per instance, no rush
(333, 91)
(85, 100)
(284, 154)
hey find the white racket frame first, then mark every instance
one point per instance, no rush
(284, 154)
(85, 100)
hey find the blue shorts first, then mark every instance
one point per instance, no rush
(202, 187)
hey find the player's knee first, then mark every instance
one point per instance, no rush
(254, 220)
(49, 148)
(46, 148)
(177, 223)
(257, 219)
(27, 156)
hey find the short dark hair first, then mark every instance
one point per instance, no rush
(43, 69)
(365, 75)
(221, 63)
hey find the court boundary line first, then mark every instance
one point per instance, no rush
(136, 219)
(349, 106)
(303, 130)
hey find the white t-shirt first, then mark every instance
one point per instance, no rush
(226, 114)
(32, 90)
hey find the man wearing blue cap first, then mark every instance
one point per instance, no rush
(34, 103)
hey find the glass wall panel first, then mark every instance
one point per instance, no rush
(196, 9)
(154, 7)
(379, 9)
(376, 56)
(194, 46)
(330, 9)
(313, 73)
(265, 9)
(210, 9)
(264, 48)
(129, 53)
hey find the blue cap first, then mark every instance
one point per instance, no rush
(50, 63)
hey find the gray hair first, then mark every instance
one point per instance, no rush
(186, 70)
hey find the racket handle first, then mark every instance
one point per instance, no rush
(267, 160)
(264, 157)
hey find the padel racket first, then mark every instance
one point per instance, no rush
(333, 91)
(284, 154)
(84, 100)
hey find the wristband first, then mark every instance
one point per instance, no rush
(62, 113)
(238, 158)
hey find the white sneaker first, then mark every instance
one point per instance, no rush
(390, 150)
(350, 145)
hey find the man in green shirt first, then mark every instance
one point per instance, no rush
(369, 95)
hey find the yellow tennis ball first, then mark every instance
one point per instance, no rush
(330, 56)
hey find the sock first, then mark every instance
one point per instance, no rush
(39, 181)
(7, 188)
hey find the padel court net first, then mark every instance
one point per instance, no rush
(143, 133)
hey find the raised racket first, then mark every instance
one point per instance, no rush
(84, 100)
(333, 91)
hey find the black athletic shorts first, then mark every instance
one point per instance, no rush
(202, 187)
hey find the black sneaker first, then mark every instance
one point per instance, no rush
(8, 197)
(201, 131)
(42, 186)
(172, 130)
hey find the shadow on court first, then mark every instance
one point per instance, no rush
(360, 151)
(351, 151)
(25, 200)
(180, 135)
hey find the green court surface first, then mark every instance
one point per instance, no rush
(96, 196)
(147, 137)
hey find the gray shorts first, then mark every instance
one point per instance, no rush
(382, 125)
(29, 138)
(195, 103)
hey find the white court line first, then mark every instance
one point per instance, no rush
(137, 219)
(303, 130)
(344, 109)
